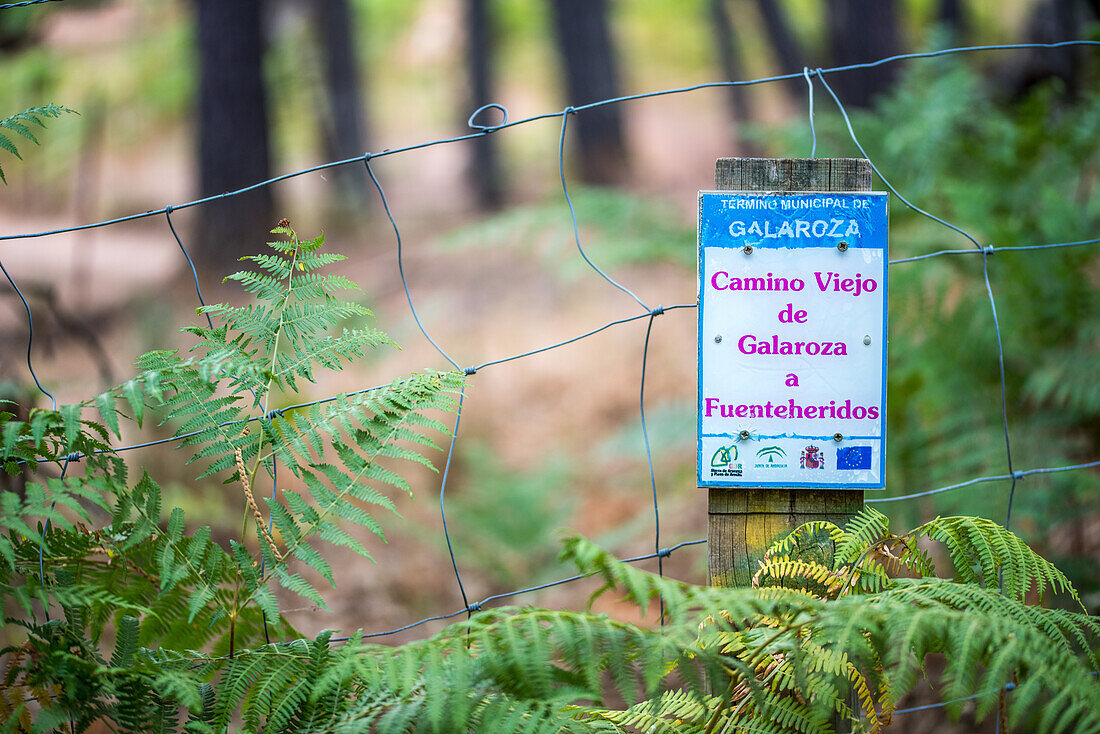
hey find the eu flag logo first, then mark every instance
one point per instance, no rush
(853, 457)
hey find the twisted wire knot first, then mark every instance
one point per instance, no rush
(488, 128)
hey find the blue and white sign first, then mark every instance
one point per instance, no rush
(792, 339)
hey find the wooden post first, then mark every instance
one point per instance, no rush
(742, 523)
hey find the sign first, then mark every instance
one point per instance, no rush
(792, 340)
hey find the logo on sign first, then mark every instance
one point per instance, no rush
(724, 456)
(853, 458)
(772, 456)
(812, 458)
(724, 462)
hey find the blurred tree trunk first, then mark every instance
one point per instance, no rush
(729, 56)
(344, 133)
(588, 62)
(952, 17)
(787, 50)
(233, 140)
(859, 31)
(484, 168)
(1051, 21)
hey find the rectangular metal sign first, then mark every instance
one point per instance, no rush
(792, 339)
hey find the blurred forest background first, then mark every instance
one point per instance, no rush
(183, 99)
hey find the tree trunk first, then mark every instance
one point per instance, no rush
(863, 30)
(233, 140)
(484, 168)
(729, 55)
(344, 133)
(1050, 21)
(952, 17)
(588, 61)
(787, 50)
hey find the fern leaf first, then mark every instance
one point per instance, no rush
(16, 124)
(126, 643)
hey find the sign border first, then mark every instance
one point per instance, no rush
(731, 483)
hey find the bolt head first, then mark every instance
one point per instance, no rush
(718, 339)
(867, 340)
(744, 435)
(842, 246)
(747, 249)
(838, 437)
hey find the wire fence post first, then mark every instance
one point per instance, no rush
(743, 523)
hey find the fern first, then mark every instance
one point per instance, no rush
(867, 557)
(151, 575)
(104, 555)
(21, 124)
(789, 660)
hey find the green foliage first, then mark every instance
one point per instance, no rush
(1019, 172)
(792, 656)
(1011, 172)
(616, 228)
(104, 549)
(94, 555)
(512, 548)
(866, 555)
(21, 124)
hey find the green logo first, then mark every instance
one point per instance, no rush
(771, 453)
(724, 456)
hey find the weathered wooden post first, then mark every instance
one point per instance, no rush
(792, 358)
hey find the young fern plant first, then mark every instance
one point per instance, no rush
(222, 399)
(93, 540)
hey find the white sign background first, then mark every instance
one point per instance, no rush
(745, 387)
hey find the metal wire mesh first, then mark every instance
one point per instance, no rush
(1012, 475)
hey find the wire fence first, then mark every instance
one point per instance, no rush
(645, 310)
(25, 3)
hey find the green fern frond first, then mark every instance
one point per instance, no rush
(674, 711)
(126, 643)
(860, 533)
(984, 552)
(20, 123)
(783, 571)
(807, 532)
